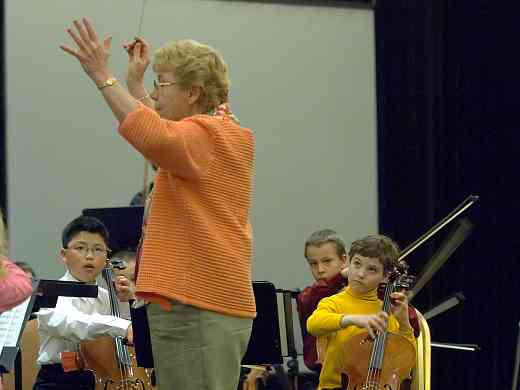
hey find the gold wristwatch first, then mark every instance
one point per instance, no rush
(108, 82)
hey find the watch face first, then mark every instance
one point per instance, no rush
(109, 82)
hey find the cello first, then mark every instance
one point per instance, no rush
(363, 360)
(112, 362)
(364, 363)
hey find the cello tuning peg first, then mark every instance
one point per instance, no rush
(403, 266)
(118, 263)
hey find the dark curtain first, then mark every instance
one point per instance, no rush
(448, 126)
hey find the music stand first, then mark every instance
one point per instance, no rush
(123, 225)
(264, 343)
(48, 291)
(9, 353)
(142, 340)
(45, 295)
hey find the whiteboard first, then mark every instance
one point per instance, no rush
(302, 79)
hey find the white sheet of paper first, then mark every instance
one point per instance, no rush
(11, 322)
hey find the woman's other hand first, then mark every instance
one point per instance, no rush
(138, 60)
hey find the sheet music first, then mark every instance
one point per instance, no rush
(11, 322)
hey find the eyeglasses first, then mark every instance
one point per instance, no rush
(97, 251)
(157, 84)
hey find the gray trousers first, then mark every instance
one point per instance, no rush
(195, 349)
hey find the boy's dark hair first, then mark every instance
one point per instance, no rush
(26, 268)
(83, 224)
(377, 246)
(320, 237)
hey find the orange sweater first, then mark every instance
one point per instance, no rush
(198, 241)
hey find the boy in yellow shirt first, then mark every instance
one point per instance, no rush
(357, 308)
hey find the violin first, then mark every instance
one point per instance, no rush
(113, 362)
(384, 362)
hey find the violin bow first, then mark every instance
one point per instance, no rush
(141, 18)
(446, 249)
(466, 203)
(146, 164)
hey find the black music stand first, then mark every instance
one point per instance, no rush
(264, 344)
(142, 340)
(123, 225)
(46, 293)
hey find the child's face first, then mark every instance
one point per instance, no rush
(85, 256)
(365, 273)
(324, 260)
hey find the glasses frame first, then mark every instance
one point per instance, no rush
(92, 250)
(157, 85)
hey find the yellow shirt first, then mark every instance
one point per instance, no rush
(325, 324)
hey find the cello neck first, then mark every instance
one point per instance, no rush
(121, 349)
(108, 276)
(378, 348)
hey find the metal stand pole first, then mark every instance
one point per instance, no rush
(514, 385)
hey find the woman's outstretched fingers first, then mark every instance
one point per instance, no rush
(69, 50)
(83, 33)
(90, 29)
(76, 39)
(107, 42)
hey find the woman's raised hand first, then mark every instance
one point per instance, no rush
(92, 55)
(138, 61)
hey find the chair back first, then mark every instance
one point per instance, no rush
(421, 376)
